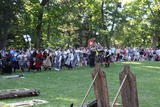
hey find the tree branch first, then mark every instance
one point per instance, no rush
(150, 9)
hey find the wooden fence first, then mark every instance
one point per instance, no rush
(127, 89)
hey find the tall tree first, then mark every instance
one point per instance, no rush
(39, 23)
(9, 13)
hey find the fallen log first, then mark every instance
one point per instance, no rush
(13, 76)
(15, 93)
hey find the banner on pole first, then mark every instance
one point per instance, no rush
(91, 43)
(27, 38)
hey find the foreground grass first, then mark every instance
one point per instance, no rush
(66, 87)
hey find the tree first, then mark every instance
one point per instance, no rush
(39, 23)
(10, 11)
(67, 23)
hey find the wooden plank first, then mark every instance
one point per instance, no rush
(100, 88)
(129, 90)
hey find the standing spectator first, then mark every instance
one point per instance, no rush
(39, 60)
(14, 54)
(57, 60)
(7, 63)
(107, 59)
(92, 58)
(47, 60)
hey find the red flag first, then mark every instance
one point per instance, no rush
(91, 43)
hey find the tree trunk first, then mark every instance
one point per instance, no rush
(38, 29)
(154, 40)
(112, 30)
(49, 25)
(69, 39)
(102, 15)
(87, 38)
(49, 31)
(158, 40)
(3, 41)
(3, 38)
(107, 39)
(39, 25)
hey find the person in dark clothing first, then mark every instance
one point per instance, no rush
(0, 63)
(92, 58)
(7, 64)
(32, 60)
(107, 59)
(100, 58)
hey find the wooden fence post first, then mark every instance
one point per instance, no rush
(100, 88)
(129, 90)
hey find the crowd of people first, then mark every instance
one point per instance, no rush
(38, 60)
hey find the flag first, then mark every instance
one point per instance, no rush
(91, 43)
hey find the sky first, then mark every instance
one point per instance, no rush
(125, 1)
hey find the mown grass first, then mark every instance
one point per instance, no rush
(69, 86)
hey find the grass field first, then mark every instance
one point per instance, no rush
(66, 87)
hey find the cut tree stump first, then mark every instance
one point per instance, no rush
(15, 93)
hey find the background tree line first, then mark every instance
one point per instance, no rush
(66, 23)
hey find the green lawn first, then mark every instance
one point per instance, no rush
(63, 88)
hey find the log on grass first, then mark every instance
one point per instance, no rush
(5, 94)
(27, 103)
(13, 76)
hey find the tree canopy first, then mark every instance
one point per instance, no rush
(68, 23)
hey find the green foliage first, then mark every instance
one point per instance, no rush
(10, 12)
(68, 23)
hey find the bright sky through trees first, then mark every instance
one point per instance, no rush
(126, 1)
